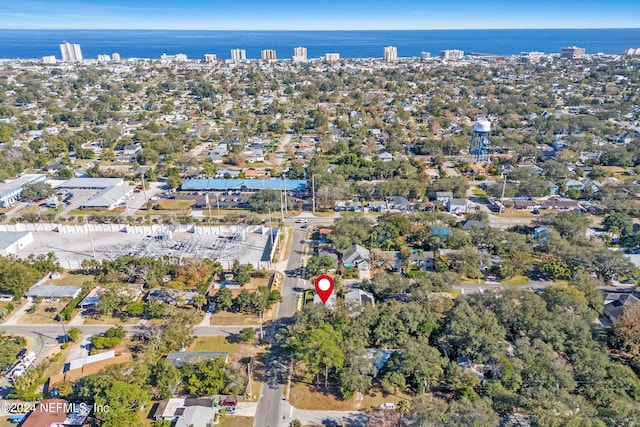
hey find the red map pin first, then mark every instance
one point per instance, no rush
(324, 287)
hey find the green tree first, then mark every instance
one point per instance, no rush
(223, 299)
(320, 265)
(36, 191)
(241, 272)
(247, 334)
(205, 377)
(74, 334)
(474, 332)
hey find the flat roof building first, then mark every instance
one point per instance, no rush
(11, 242)
(238, 54)
(243, 185)
(71, 52)
(451, 54)
(332, 57)
(268, 55)
(50, 59)
(390, 54)
(53, 292)
(10, 191)
(572, 52)
(299, 54)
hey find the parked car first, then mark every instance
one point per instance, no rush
(301, 221)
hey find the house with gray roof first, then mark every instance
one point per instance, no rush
(357, 256)
(359, 297)
(52, 292)
(615, 304)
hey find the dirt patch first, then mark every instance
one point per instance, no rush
(308, 396)
(44, 313)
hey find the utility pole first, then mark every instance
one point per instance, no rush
(144, 190)
(270, 227)
(313, 193)
(284, 177)
(261, 332)
(504, 186)
(93, 250)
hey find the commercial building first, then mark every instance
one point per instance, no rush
(425, 55)
(572, 52)
(451, 54)
(533, 57)
(71, 52)
(243, 185)
(332, 57)
(11, 242)
(112, 191)
(10, 191)
(115, 57)
(51, 59)
(210, 57)
(238, 54)
(390, 54)
(268, 55)
(299, 54)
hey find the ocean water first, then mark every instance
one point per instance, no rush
(30, 44)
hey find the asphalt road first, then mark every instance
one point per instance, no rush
(269, 413)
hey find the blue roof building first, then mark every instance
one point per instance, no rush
(9, 192)
(243, 184)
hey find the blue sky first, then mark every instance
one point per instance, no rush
(317, 15)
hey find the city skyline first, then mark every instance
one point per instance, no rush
(328, 15)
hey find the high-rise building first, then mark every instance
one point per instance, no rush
(70, 52)
(572, 52)
(390, 54)
(299, 53)
(210, 57)
(115, 57)
(104, 58)
(425, 55)
(451, 55)
(332, 57)
(51, 59)
(238, 54)
(268, 55)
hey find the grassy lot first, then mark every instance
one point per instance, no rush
(516, 280)
(512, 213)
(214, 344)
(96, 212)
(329, 214)
(467, 281)
(108, 320)
(480, 194)
(226, 318)
(16, 305)
(307, 396)
(70, 278)
(173, 204)
(236, 421)
(45, 313)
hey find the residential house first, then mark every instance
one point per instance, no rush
(330, 304)
(444, 197)
(359, 297)
(457, 206)
(377, 206)
(398, 203)
(390, 260)
(422, 259)
(357, 256)
(131, 149)
(175, 408)
(560, 204)
(525, 205)
(615, 304)
(473, 223)
(378, 358)
(323, 234)
(385, 157)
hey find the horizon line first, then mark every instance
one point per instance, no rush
(318, 30)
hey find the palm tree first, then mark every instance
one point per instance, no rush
(199, 300)
(404, 406)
